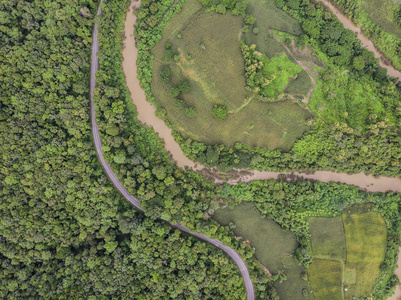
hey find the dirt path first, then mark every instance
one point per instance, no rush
(146, 115)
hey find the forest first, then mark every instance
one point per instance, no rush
(65, 232)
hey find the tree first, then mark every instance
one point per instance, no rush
(165, 74)
(184, 86)
(190, 112)
(220, 112)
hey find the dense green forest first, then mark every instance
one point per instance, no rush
(65, 231)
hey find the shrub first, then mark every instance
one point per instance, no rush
(168, 54)
(184, 86)
(255, 30)
(174, 92)
(179, 35)
(179, 103)
(220, 112)
(190, 112)
(176, 58)
(168, 45)
(165, 75)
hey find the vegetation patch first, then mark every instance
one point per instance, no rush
(366, 236)
(269, 239)
(268, 77)
(223, 111)
(327, 238)
(326, 279)
(294, 283)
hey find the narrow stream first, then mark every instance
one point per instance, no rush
(146, 114)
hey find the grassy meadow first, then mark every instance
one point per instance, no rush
(326, 278)
(295, 287)
(366, 238)
(207, 55)
(327, 238)
(269, 239)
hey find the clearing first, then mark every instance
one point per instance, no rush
(206, 53)
(270, 240)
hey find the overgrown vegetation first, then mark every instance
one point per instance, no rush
(268, 77)
(217, 80)
(380, 21)
(65, 231)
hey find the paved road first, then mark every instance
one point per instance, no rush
(135, 202)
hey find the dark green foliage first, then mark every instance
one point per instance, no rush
(165, 75)
(65, 233)
(220, 112)
(168, 54)
(179, 103)
(184, 86)
(174, 92)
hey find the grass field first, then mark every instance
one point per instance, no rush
(295, 287)
(270, 241)
(327, 238)
(209, 58)
(366, 237)
(326, 279)
(358, 239)
(382, 14)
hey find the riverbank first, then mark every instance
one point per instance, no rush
(146, 114)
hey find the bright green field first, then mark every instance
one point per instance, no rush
(271, 242)
(366, 237)
(216, 76)
(326, 277)
(327, 238)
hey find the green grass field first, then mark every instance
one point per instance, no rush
(295, 287)
(327, 238)
(217, 77)
(366, 237)
(271, 242)
(358, 239)
(326, 279)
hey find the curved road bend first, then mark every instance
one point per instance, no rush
(135, 202)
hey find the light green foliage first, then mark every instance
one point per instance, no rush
(342, 97)
(271, 242)
(326, 277)
(327, 238)
(268, 77)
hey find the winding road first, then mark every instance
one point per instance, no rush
(134, 201)
(146, 115)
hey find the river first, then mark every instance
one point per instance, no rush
(146, 114)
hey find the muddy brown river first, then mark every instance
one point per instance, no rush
(146, 114)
